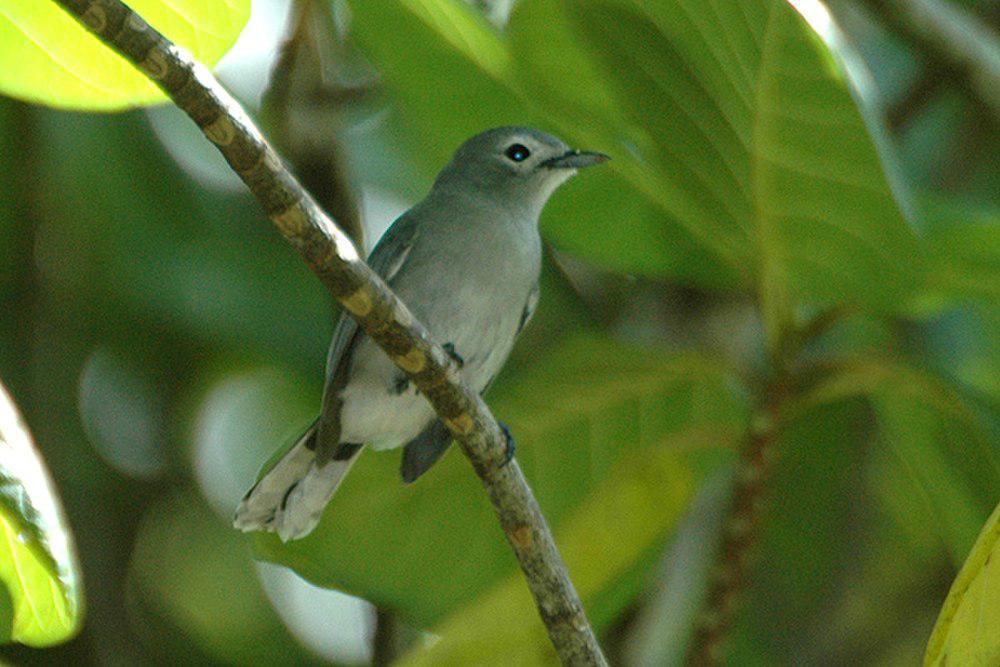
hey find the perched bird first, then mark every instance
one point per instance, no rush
(466, 262)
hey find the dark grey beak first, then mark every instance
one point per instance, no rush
(575, 160)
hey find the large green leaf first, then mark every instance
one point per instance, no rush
(624, 518)
(963, 250)
(431, 121)
(931, 447)
(942, 445)
(742, 127)
(735, 120)
(47, 57)
(965, 633)
(428, 548)
(37, 562)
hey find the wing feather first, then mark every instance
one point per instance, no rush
(388, 257)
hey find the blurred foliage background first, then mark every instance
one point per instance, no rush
(782, 290)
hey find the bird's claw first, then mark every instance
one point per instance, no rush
(450, 349)
(511, 445)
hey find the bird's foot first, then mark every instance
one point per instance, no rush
(511, 444)
(450, 349)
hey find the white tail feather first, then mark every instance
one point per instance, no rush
(289, 499)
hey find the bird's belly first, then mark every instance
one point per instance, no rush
(380, 407)
(373, 412)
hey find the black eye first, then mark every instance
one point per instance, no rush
(517, 153)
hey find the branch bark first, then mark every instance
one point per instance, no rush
(335, 260)
(313, 83)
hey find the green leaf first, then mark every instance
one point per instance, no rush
(192, 572)
(49, 58)
(965, 633)
(963, 251)
(744, 129)
(648, 244)
(432, 127)
(625, 517)
(575, 412)
(734, 120)
(939, 442)
(929, 446)
(37, 562)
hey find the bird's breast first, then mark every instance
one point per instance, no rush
(468, 283)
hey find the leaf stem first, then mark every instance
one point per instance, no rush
(332, 256)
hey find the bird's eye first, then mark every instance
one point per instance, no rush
(517, 153)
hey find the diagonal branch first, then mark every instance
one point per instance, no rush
(334, 259)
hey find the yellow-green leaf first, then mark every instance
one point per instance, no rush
(37, 565)
(622, 520)
(966, 631)
(49, 58)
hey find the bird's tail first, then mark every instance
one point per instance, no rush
(289, 499)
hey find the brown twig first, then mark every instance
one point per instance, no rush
(303, 109)
(728, 577)
(334, 259)
(750, 486)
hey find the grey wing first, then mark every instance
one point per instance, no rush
(386, 259)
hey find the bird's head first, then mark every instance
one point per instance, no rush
(519, 164)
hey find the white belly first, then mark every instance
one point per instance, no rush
(375, 412)
(372, 414)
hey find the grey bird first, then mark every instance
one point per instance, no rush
(466, 262)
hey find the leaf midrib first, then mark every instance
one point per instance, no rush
(773, 303)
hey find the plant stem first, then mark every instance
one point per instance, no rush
(750, 486)
(330, 253)
(753, 473)
(304, 107)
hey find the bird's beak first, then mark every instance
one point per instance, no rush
(575, 160)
